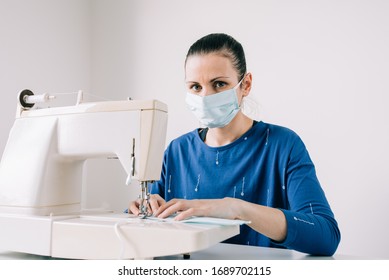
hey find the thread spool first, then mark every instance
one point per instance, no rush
(38, 98)
(27, 98)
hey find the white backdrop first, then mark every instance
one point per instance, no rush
(319, 67)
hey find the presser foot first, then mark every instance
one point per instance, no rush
(144, 215)
(144, 210)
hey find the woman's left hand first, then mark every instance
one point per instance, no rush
(219, 208)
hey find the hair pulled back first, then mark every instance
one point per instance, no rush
(223, 44)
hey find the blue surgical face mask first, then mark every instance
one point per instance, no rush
(215, 110)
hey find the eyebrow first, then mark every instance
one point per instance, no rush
(212, 80)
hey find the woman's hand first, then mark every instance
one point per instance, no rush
(219, 208)
(155, 202)
(268, 221)
(271, 222)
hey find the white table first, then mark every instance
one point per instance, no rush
(221, 251)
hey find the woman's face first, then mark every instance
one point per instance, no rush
(208, 74)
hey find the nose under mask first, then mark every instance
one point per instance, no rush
(215, 110)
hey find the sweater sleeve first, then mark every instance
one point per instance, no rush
(311, 226)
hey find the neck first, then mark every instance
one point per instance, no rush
(217, 137)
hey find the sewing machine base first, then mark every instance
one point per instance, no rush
(107, 236)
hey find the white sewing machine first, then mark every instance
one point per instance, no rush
(41, 175)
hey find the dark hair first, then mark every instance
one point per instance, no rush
(223, 44)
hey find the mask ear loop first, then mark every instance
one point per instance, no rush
(237, 85)
(249, 106)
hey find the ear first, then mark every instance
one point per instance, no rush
(246, 84)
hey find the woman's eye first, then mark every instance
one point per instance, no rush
(195, 88)
(219, 84)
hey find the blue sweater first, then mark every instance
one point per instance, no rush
(268, 165)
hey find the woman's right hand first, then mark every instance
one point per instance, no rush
(155, 202)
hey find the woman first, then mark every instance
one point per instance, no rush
(238, 168)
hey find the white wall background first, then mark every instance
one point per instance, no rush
(320, 68)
